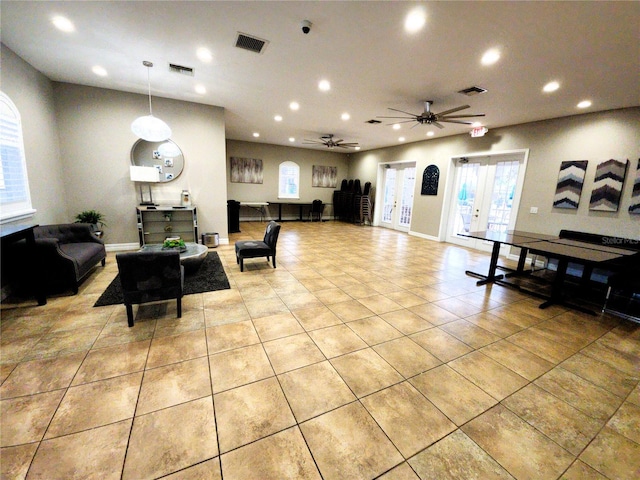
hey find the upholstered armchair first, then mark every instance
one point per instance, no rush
(67, 253)
(257, 248)
(149, 277)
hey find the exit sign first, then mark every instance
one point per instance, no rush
(479, 131)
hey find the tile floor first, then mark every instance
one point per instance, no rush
(366, 354)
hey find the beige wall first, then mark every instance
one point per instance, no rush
(33, 95)
(594, 137)
(272, 156)
(96, 142)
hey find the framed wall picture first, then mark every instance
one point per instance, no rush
(607, 186)
(246, 170)
(570, 182)
(635, 193)
(324, 176)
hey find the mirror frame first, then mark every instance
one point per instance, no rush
(149, 154)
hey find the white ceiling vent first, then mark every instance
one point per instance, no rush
(471, 91)
(180, 69)
(248, 42)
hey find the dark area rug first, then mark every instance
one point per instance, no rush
(209, 277)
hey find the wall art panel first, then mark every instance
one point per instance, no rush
(246, 170)
(570, 182)
(607, 186)
(323, 176)
(635, 194)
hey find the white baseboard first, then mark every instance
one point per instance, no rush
(422, 235)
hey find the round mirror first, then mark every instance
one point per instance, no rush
(165, 156)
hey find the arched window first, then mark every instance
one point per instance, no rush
(15, 198)
(289, 180)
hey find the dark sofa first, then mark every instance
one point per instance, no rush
(66, 253)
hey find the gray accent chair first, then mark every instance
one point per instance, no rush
(67, 253)
(150, 277)
(257, 248)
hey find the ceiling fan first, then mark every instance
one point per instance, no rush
(430, 118)
(329, 142)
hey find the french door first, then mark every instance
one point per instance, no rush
(485, 196)
(397, 202)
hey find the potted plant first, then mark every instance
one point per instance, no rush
(174, 244)
(94, 218)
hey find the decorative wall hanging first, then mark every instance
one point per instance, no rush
(635, 194)
(323, 176)
(430, 179)
(607, 186)
(570, 182)
(246, 170)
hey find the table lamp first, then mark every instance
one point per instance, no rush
(146, 175)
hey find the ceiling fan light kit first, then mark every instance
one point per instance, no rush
(148, 127)
(431, 118)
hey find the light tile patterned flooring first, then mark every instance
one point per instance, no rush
(366, 354)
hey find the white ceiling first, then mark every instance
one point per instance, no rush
(591, 48)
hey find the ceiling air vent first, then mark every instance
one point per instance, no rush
(180, 69)
(250, 43)
(471, 91)
(373, 121)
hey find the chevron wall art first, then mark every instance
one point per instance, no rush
(635, 194)
(607, 186)
(570, 181)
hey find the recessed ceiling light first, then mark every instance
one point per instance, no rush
(292, 139)
(256, 134)
(63, 23)
(278, 118)
(294, 105)
(551, 87)
(204, 54)
(396, 126)
(401, 139)
(415, 20)
(200, 89)
(358, 148)
(324, 85)
(490, 57)
(345, 116)
(430, 134)
(584, 104)
(100, 71)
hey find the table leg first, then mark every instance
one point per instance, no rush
(491, 276)
(556, 297)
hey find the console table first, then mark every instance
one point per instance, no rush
(156, 223)
(14, 233)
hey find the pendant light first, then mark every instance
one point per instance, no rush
(150, 128)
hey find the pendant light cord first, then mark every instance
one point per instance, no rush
(149, 85)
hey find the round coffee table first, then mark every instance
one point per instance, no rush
(191, 258)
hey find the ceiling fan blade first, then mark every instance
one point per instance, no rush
(437, 125)
(402, 111)
(455, 121)
(405, 121)
(417, 123)
(457, 109)
(395, 117)
(349, 144)
(338, 141)
(314, 142)
(463, 116)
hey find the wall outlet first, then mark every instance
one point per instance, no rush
(533, 210)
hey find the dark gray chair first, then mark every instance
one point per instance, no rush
(149, 277)
(257, 248)
(317, 209)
